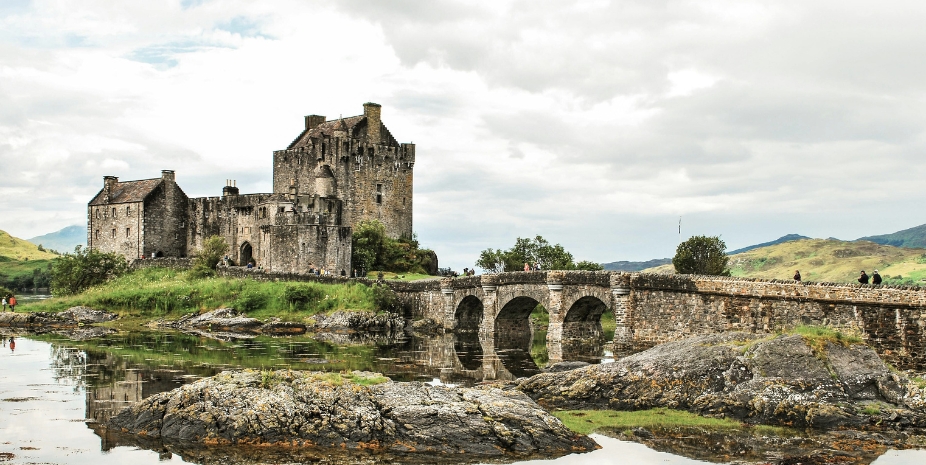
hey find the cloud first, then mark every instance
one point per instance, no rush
(595, 124)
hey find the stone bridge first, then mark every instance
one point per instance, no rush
(651, 308)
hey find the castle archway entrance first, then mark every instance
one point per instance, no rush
(245, 255)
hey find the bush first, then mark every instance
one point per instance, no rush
(301, 295)
(86, 267)
(249, 301)
(386, 299)
(214, 248)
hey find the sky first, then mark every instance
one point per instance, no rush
(599, 125)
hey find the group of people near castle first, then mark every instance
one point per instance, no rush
(9, 301)
(863, 278)
(528, 267)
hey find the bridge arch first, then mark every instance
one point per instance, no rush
(583, 337)
(469, 315)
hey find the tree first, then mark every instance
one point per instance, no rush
(86, 267)
(372, 249)
(532, 251)
(589, 266)
(702, 255)
(205, 261)
(214, 249)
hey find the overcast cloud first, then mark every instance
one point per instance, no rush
(596, 124)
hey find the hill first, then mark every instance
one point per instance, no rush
(64, 240)
(914, 237)
(635, 266)
(782, 239)
(828, 260)
(22, 264)
(16, 249)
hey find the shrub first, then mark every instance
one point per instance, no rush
(386, 299)
(86, 267)
(249, 301)
(301, 295)
(214, 248)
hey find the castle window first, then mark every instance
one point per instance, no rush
(128, 210)
(98, 231)
(114, 233)
(128, 231)
(379, 193)
(98, 213)
(114, 213)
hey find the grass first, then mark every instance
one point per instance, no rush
(817, 337)
(589, 421)
(269, 379)
(159, 292)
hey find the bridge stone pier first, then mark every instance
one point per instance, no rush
(650, 308)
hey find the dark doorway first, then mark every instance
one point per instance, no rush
(158, 254)
(245, 255)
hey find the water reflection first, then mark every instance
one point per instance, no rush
(60, 384)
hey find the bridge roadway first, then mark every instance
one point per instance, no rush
(650, 308)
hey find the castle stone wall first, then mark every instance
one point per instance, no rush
(116, 228)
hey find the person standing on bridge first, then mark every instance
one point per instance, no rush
(527, 266)
(863, 278)
(797, 275)
(875, 278)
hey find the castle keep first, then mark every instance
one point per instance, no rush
(334, 175)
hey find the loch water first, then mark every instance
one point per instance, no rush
(55, 393)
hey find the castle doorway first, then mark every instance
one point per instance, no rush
(245, 255)
(159, 254)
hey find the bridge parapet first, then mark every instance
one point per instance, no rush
(895, 296)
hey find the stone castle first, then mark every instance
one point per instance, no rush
(334, 175)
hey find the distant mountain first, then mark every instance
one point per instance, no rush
(635, 266)
(64, 240)
(910, 238)
(787, 238)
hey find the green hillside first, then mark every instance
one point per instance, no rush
(16, 249)
(22, 264)
(914, 237)
(827, 260)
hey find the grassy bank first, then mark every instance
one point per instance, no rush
(159, 292)
(588, 421)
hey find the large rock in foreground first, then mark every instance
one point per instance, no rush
(753, 378)
(299, 409)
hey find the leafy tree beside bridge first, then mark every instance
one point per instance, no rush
(532, 251)
(702, 255)
(372, 249)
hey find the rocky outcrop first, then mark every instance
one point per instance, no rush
(72, 317)
(359, 321)
(229, 324)
(753, 378)
(291, 409)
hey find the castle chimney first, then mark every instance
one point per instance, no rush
(230, 188)
(372, 111)
(109, 183)
(312, 121)
(168, 175)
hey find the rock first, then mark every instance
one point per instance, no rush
(87, 315)
(426, 327)
(359, 321)
(566, 366)
(228, 324)
(752, 378)
(291, 409)
(70, 318)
